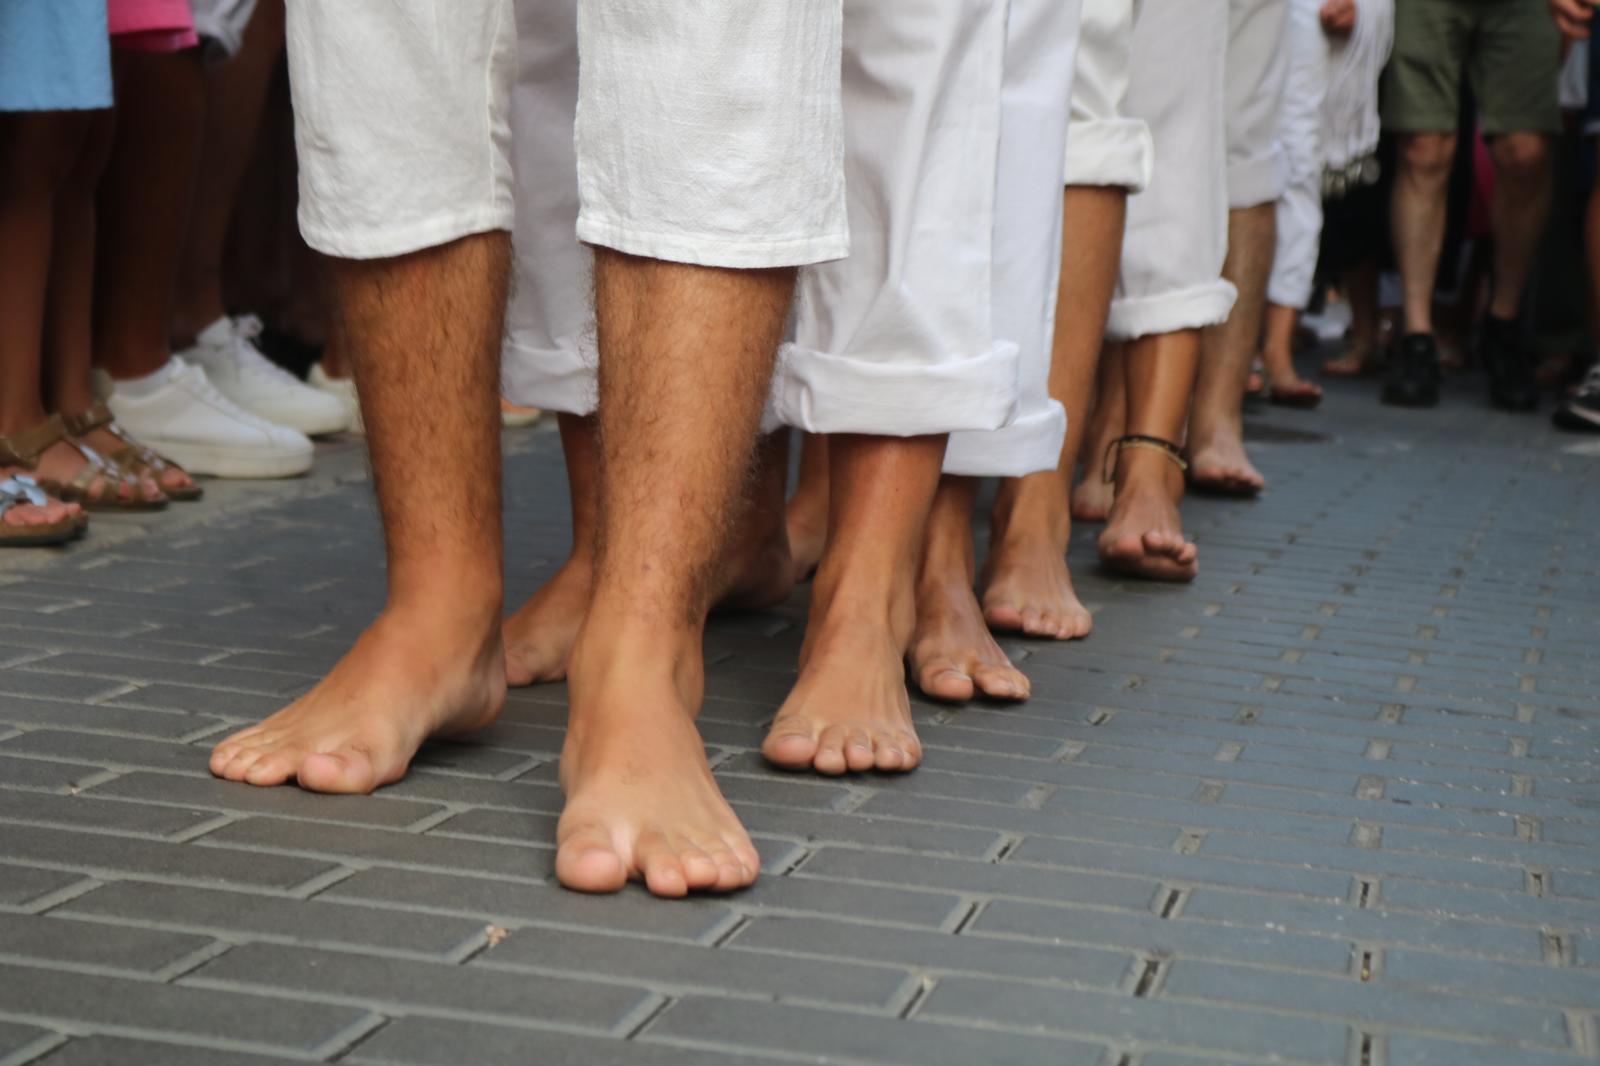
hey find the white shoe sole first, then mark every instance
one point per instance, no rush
(310, 427)
(216, 460)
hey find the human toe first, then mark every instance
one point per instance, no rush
(586, 861)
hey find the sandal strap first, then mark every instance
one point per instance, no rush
(24, 447)
(88, 421)
(1108, 472)
(18, 490)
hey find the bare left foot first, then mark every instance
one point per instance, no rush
(1026, 585)
(1292, 390)
(953, 655)
(1219, 465)
(1144, 535)
(406, 679)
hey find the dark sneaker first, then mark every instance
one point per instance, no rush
(1512, 385)
(1412, 378)
(1580, 410)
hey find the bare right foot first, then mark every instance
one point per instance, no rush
(808, 536)
(1218, 463)
(406, 679)
(539, 636)
(642, 804)
(953, 655)
(1144, 535)
(1092, 498)
(1026, 584)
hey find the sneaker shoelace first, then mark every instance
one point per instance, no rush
(193, 380)
(246, 328)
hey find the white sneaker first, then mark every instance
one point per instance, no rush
(227, 353)
(189, 421)
(343, 388)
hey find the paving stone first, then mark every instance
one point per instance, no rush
(1357, 861)
(111, 856)
(20, 884)
(307, 974)
(1541, 983)
(828, 1035)
(103, 718)
(41, 808)
(1184, 869)
(233, 915)
(149, 1008)
(30, 939)
(43, 774)
(121, 1051)
(1414, 1050)
(226, 796)
(997, 879)
(387, 846)
(439, 1042)
(108, 751)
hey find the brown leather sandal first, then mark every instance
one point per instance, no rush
(22, 491)
(24, 449)
(132, 458)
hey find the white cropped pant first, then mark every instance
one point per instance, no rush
(1035, 110)
(708, 132)
(1299, 210)
(1105, 145)
(1257, 66)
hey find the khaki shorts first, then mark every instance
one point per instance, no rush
(1510, 50)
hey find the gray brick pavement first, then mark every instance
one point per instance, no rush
(1337, 803)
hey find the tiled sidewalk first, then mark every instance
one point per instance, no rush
(1336, 803)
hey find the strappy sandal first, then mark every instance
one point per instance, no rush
(22, 491)
(1108, 471)
(24, 449)
(132, 458)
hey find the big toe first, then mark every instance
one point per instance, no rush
(344, 770)
(1003, 615)
(791, 743)
(586, 861)
(944, 679)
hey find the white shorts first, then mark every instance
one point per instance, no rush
(1105, 146)
(1041, 50)
(1177, 230)
(1299, 209)
(705, 135)
(897, 340)
(221, 24)
(1257, 64)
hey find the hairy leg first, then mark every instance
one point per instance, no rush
(1360, 284)
(144, 208)
(953, 655)
(686, 355)
(1026, 583)
(424, 333)
(1216, 426)
(1144, 532)
(1092, 495)
(1417, 217)
(849, 709)
(808, 507)
(235, 96)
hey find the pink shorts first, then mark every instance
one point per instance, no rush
(151, 25)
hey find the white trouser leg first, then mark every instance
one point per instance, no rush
(1257, 65)
(548, 360)
(1105, 146)
(1300, 133)
(1041, 48)
(897, 339)
(1177, 231)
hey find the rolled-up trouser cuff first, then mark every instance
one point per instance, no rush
(1261, 179)
(1110, 151)
(1288, 292)
(559, 379)
(714, 251)
(823, 393)
(1030, 444)
(1194, 308)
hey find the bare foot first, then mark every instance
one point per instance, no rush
(1356, 362)
(539, 636)
(953, 655)
(641, 802)
(1144, 535)
(1219, 464)
(1291, 390)
(406, 679)
(849, 710)
(1026, 585)
(808, 536)
(1092, 497)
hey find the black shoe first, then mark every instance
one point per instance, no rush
(1580, 411)
(1412, 379)
(1512, 386)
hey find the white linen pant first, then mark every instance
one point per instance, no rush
(707, 133)
(1035, 109)
(1106, 146)
(1299, 210)
(1177, 229)
(1257, 65)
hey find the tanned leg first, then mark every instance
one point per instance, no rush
(953, 655)
(1360, 284)
(1216, 427)
(686, 355)
(144, 208)
(1144, 533)
(1521, 205)
(235, 96)
(1092, 495)
(754, 572)
(1277, 354)
(1417, 218)
(808, 507)
(849, 710)
(424, 333)
(1026, 583)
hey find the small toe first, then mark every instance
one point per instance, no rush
(858, 754)
(700, 870)
(830, 757)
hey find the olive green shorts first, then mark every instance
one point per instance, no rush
(1511, 53)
